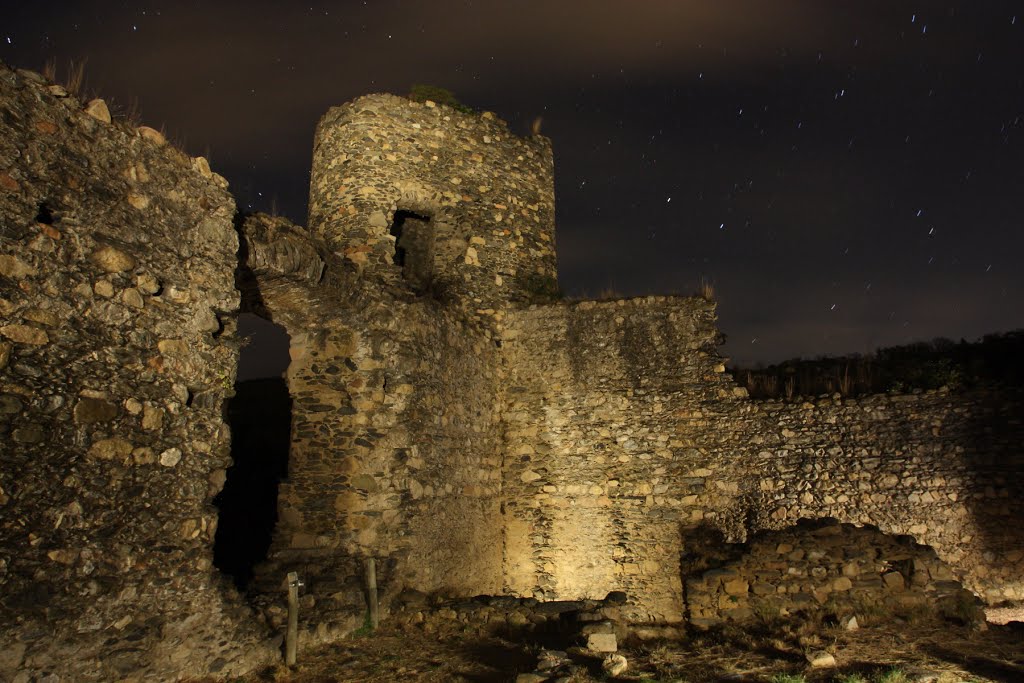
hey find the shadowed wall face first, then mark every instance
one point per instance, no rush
(117, 259)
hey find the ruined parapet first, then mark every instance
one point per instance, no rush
(117, 260)
(425, 198)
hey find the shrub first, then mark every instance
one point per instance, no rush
(422, 93)
(541, 288)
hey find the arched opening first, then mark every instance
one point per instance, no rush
(259, 415)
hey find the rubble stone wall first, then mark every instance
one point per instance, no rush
(624, 438)
(608, 449)
(843, 568)
(489, 193)
(395, 449)
(941, 467)
(467, 441)
(117, 255)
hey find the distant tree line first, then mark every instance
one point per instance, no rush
(993, 359)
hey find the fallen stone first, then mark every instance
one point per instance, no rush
(614, 665)
(551, 659)
(819, 659)
(97, 109)
(602, 642)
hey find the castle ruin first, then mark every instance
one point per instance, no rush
(451, 418)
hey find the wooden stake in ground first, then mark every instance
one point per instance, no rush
(371, 592)
(292, 637)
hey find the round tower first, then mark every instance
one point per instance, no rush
(423, 197)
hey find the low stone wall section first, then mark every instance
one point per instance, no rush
(848, 570)
(942, 467)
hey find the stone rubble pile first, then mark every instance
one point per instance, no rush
(826, 565)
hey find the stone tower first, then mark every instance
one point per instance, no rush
(442, 201)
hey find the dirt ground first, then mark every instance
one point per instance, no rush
(920, 650)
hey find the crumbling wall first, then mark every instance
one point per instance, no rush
(610, 447)
(395, 449)
(489, 195)
(848, 570)
(624, 440)
(117, 256)
(943, 467)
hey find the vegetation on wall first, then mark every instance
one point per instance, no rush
(422, 93)
(542, 289)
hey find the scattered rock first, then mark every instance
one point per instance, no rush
(97, 109)
(602, 642)
(820, 659)
(614, 665)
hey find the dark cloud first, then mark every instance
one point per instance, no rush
(781, 150)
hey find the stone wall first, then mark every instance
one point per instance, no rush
(395, 449)
(489, 195)
(624, 439)
(608, 447)
(941, 467)
(117, 255)
(467, 441)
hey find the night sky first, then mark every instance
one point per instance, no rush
(848, 175)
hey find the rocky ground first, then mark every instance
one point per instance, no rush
(479, 643)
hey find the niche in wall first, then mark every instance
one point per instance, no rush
(414, 248)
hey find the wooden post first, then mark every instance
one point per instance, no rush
(371, 592)
(292, 637)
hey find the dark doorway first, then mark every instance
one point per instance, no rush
(259, 415)
(414, 247)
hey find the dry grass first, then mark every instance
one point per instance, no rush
(706, 290)
(75, 81)
(772, 651)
